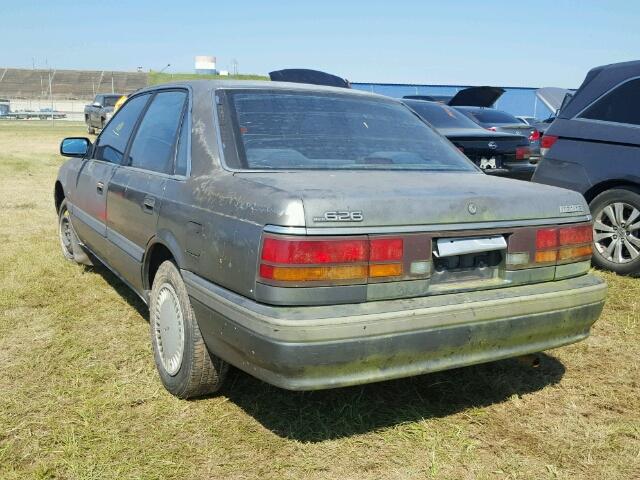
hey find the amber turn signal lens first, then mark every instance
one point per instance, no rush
(313, 274)
(385, 270)
(546, 256)
(575, 252)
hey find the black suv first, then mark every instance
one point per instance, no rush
(593, 147)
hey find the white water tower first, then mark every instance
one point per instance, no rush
(206, 64)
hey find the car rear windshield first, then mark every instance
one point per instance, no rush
(300, 130)
(492, 116)
(441, 116)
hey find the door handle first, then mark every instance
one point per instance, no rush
(148, 204)
(100, 187)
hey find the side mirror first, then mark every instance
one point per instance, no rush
(75, 147)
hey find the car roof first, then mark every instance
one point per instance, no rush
(599, 81)
(203, 86)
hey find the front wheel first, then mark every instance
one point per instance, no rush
(616, 231)
(186, 367)
(69, 242)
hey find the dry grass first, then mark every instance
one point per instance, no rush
(79, 396)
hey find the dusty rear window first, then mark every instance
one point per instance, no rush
(293, 130)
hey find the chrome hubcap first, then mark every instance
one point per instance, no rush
(169, 329)
(65, 233)
(616, 232)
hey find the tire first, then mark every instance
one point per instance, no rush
(69, 242)
(186, 367)
(616, 231)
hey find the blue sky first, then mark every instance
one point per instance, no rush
(511, 43)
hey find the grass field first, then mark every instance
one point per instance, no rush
(157, 77)
(80, 398)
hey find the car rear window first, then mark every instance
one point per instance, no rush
(299, 130)
(621, 105)
(441, 116)
(492, 116)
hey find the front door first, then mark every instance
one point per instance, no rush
(89, 208)
(95, 174)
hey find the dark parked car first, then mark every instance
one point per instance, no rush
(496, 153)
(317, 237)
(499, 121)
(593, 147)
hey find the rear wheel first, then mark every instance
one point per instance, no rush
(186, 367)
(616, 231)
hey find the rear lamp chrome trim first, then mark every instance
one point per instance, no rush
(424, 228)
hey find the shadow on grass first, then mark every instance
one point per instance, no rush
(331, 414)
(122, 288)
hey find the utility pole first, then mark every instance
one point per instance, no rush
(51, 99)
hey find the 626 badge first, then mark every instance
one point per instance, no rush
(340, 216)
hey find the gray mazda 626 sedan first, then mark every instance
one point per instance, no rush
(318, 237)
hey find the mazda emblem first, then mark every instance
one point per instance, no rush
(492, 145)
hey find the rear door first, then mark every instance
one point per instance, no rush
(136, 190)
(89, 209)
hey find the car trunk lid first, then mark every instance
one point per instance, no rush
(391, 199)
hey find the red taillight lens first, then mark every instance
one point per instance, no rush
(331, 260)
(314, 251)
(523, 153)
(576, 235)
(546, 142)
(564, 244)
(386, 249)
(493, 129)
(535, 135)
(546, 238)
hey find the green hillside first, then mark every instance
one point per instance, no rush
(157, 77)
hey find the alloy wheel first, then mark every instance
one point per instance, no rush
(616, 232)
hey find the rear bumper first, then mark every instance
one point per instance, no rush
(307, 348)
(520, 171)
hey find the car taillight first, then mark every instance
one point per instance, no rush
(535, 135)
(493, 129)
(331, 260)
(546, 142)
(523, 153)
(564, 244)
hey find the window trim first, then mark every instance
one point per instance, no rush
(578, 116)
(126, 147)
(136, 127)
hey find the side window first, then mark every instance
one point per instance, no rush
(153, 145)
(182, 154)
(113, 140)
(621, 105)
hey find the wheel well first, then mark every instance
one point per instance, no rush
(156, 255)
(597, 189)
(58, 195)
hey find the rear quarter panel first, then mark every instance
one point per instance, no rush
(217, 221)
